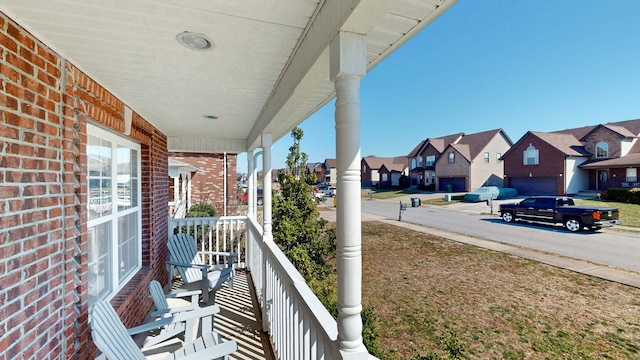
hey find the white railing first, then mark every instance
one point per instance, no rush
(299, 325)
(225, 234)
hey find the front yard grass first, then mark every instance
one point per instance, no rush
(439, 299)
(629, 213)
(387, 193)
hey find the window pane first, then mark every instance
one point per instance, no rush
(127, 244)
(127, 178)
(100, 282)
(99, 177)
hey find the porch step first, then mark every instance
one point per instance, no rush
(587, 194)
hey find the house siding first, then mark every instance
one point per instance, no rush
(490, 173)
(458, 169)
(46, 103)
(575, 179)
(208, 183)
(550, 165)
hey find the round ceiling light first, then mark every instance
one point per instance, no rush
(195, 41)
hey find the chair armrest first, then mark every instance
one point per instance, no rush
(220, 253)
(184, 316)
(213, 352)
(182, 294)
(174, 310)
(201, 266)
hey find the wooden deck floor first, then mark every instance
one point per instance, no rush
(239, 320)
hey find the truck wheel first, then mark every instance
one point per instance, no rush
(573, 224)
(507, 216)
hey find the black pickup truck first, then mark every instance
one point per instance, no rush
(556, 210)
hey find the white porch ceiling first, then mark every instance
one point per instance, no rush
(268, 70)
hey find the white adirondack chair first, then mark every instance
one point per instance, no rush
(188, 327)
(194, 272)
(115, 342)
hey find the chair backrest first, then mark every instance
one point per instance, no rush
(157, 294)
(110, 335)
(182, 248)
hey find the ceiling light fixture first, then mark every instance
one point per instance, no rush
(195, 41)
(211, 117)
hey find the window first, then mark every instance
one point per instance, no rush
(498, 156)
(413, 163)
(384, 177)
(114, 212)
(420, 161)
(486, 157)
(364, 168)
(431, 160)
(530, 156)
(452, 157)
(632, 175)
(602, 150)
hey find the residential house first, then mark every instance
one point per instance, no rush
(317, 168)
(212, 181)
(391, 173)
(96, 97)
(427, 153)
(370, 166)
(568, 161)
(473, 161)
(330, 171)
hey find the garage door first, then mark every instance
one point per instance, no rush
(534, 186)
(457, 184)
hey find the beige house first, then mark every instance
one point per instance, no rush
(473, 161)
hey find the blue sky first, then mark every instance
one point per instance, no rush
(522, 65)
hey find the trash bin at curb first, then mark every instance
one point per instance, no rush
(415, 202)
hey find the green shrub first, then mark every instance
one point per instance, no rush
(202, 210)
(631, 196)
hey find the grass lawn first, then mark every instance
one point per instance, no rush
(439, 299)
(387, 193)
(629, 213)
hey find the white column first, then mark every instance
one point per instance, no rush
(254, 184)
(176, 194)
(189, 190)
(348, 66)
(250, 184)
(266, 185)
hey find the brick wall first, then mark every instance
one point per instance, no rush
(207, 184)
(614, 140)
(45, 105)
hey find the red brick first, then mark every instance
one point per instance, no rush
(8, 43)
(10, 73)
(47, 129)
(33, 111)
(8, 102)
(9, 133)
(19, 149)
(19, 63)
(34, 164)
(7, 192)
(34, 190)
(21, 122)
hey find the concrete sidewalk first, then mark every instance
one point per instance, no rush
(621, 276)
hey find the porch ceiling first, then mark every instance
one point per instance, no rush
(267, 72)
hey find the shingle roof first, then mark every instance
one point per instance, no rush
(625, 161)
(331, 163)
(478, 141)
(439, 143)
(417, 149)
(394, 167)
(375, 162)
(566, 143)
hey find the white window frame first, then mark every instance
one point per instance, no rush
(116, 283)
(498, 156)
(487, 157)
(531, 153)
(605, 148)
(384, 177)
(452, 157)
(631, 175)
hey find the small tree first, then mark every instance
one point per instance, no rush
(297, 226)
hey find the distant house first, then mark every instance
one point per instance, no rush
(565, 162)
(422, 159)
(330, 171)
(317, 168)
(370, 166)
(203, 178)
(391, 173)
(472, 161)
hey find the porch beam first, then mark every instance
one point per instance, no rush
(347, 67)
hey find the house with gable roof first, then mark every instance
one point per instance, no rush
(371, 165)
(422, 159)
(390, 174)
(568, 161)
(472, 161)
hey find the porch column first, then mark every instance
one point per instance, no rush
(348, 66)
(266, 185)
(250, 172)
(254, 185)
(176, 194)
(267, 234)
(188, 190)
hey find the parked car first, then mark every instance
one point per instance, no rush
(243, 198)
(556, 210)
(319, 194)
(330, 191)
